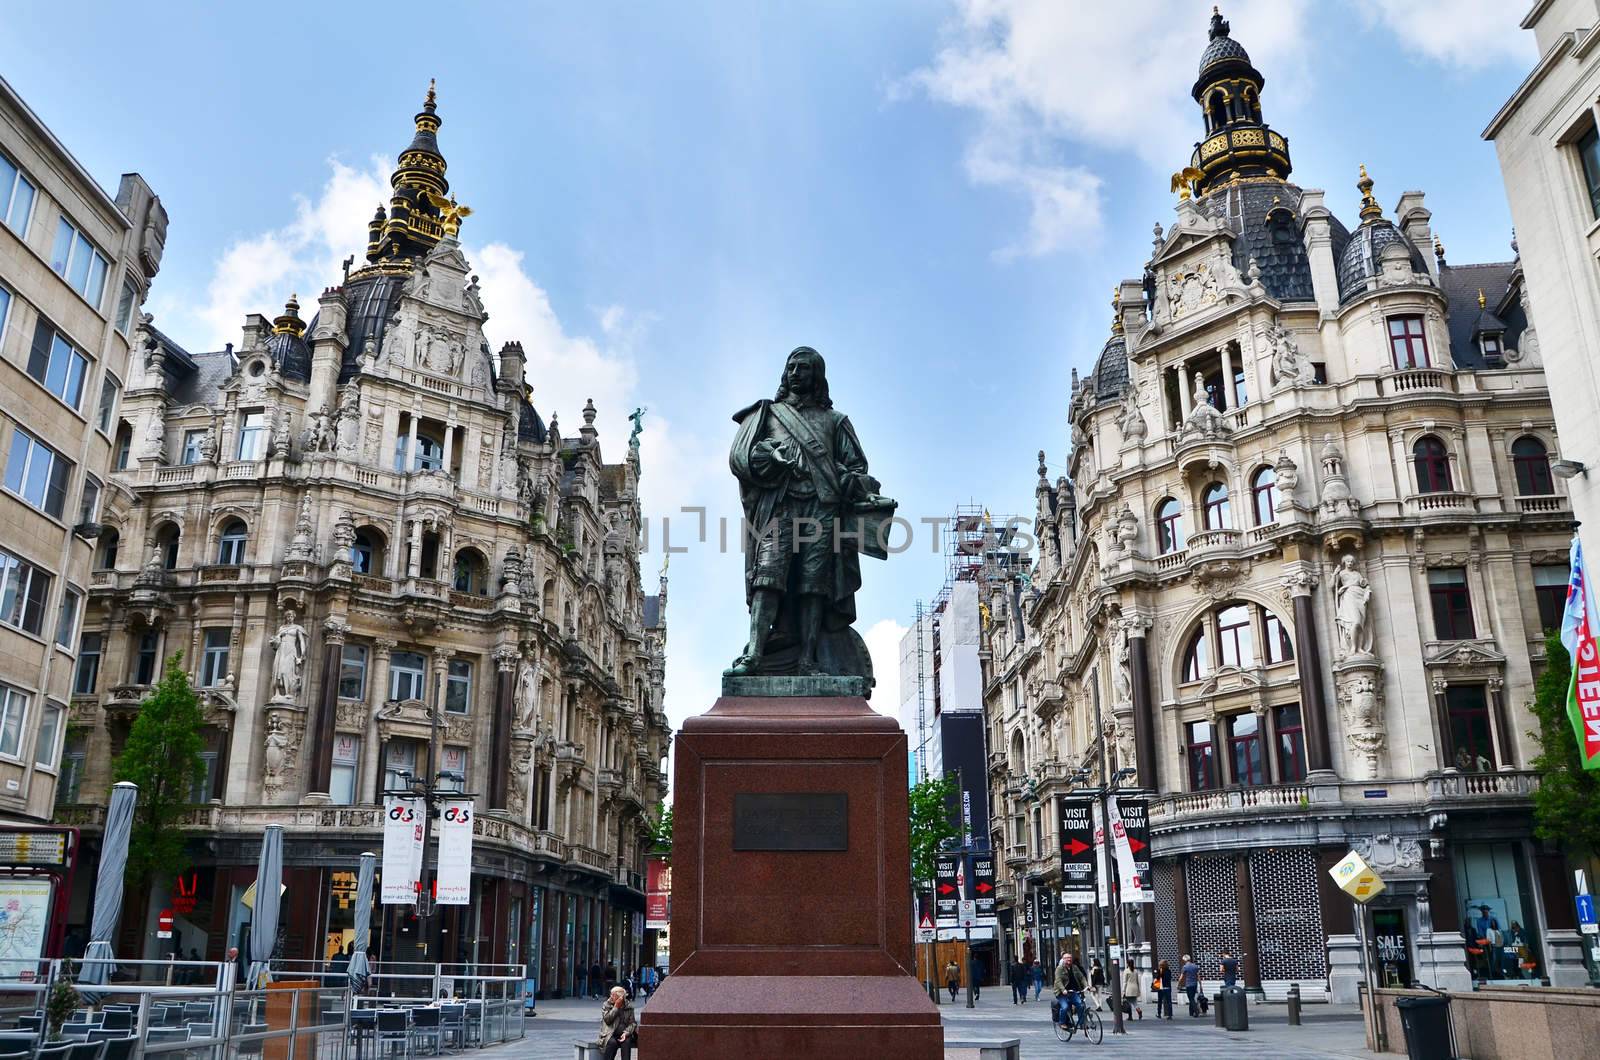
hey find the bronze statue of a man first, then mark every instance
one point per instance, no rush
(810, 510)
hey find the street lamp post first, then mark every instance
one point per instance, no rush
(426, 788)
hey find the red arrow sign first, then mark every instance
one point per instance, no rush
(945, 888)
(1135, 844)
(1076, 846)
(985, 887)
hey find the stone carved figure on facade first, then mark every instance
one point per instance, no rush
(1125, 530)
(1287, 478)
(208, 445)
(1361, 702)
(1130, 421)
(526, 698)
(421, 343)
(155, 435)
(347, 432)
(280, 435)
(289, 646)
(1336, 497)
(1127, 754)
(1122, 673)
(317, 437)
(472, 295)
(344, 539)
(303, 545)
(1290, 367)
(423, 282)
(1204, 418)
(367, 358)
(1352, 598)
(480, 372)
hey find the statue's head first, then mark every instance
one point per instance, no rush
(1348, 562)
(805, 374)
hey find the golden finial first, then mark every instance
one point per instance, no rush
(1370, 210)
(1483, 303)
(1438, 247)
(1116, 310)
(431, 100)
(289, 323)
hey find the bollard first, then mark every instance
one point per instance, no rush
(1294, 1004)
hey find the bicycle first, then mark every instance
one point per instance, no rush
(1088, 1021)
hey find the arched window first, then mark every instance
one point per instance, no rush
(106, 554)
(549, 598)
(1217, 110)
(1197, 657)
(230, 547)
(1169, 525)
(1433, 465)
(1018, 763)
(1214, 503)
(469, 574)
(1532, 464)
(427, 456)
(366, 552)
(1252, 104)
(1264, 496)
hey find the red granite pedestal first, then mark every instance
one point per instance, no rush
(799, 953)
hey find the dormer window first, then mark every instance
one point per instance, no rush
(1492, 350)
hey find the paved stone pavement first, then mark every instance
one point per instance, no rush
(1330, 1032)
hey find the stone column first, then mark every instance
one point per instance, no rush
(1230, 397)
(1308, 660)
(1144, 719)
(377, 692)
(1185, 393)
(320, 751)
(411, 444)
(505, 664)
(414, 549)
(1502, 725)
(449, 446)
(1249, 963)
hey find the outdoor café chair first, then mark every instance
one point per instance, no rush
(160, 1035)
(393, 1029)
(58, 1051)
(17, 1056)
(86, 1051)
(453, 1022)
(30, 1023)
(425, 1025)
(117, 1019)
(119, 1048)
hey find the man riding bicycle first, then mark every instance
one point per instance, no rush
(1070, 982)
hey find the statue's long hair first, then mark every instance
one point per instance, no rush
(820, 389)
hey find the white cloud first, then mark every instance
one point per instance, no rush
(1049, 80)
(564, 369)
(883, 644)
(1470, 34)
(256, 274)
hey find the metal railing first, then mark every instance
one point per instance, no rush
(308, 1007)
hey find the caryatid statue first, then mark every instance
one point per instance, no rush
(288, 662)
(811, 510)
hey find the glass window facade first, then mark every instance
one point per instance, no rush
(79, 263)
(1499, 928)
(353, 671)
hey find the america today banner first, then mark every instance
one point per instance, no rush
(1077, 849)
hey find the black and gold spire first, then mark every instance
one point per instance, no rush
(1238, 142)
(420, 214)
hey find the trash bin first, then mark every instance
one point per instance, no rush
(1233, 1003)
(1427, 1026)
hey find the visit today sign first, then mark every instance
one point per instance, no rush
(1356, 878)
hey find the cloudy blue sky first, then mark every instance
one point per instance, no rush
(938, 195)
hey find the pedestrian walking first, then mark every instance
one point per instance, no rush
(597, 984)
(952, 978)
(975, 976)
(1018, 976)
(1162, 985)
(1097, 983)
(1190, 975)
(1038, 978)
(1230, 969)
(1130, 993)
(617, 1026)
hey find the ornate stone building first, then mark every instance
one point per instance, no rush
(1295, 581)
(348, 520)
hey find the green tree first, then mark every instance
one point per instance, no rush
(1566, 807)
(162, 756)
(661, 833)
(930, 824)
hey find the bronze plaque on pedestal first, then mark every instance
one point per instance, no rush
(791, 820)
